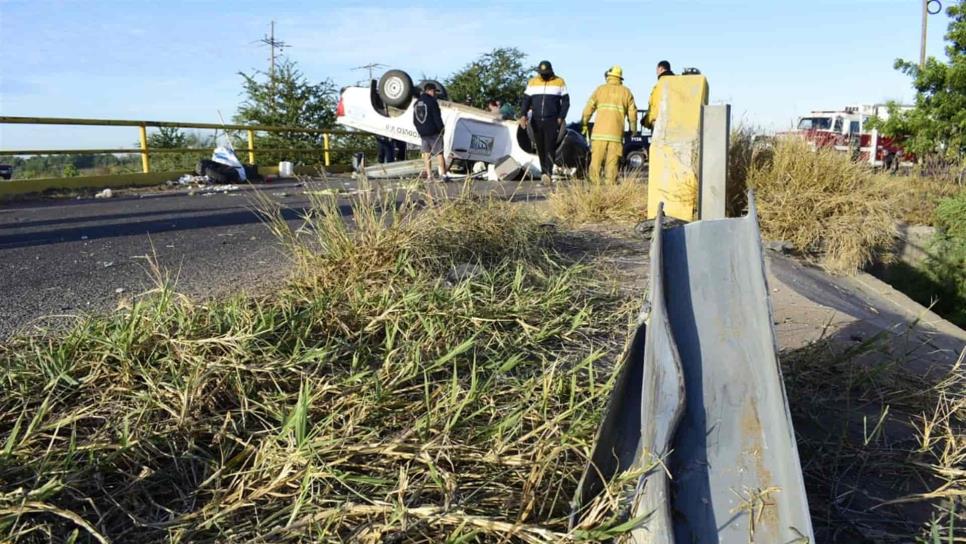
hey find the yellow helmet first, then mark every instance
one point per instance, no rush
(615, 71)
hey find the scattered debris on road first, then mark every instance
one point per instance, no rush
(106, 193)
(189, 179)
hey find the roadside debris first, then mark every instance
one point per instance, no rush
(189, 179)
(779, 246)
(223, 167)
(106, 193)
(208, 191)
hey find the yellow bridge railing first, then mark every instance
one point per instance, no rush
(144, 149)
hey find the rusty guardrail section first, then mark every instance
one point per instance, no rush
(700, 406)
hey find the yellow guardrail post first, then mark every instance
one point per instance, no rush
(325, 147)
(251, 146)
(673, 168)
(144, 149)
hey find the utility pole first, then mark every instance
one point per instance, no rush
(926, 12)
(922, 39)
(370, 67)
(273, 44)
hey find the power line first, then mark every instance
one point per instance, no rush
(273, 44)
(370, 67)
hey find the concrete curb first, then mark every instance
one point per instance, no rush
(39, 185)
(906, 305)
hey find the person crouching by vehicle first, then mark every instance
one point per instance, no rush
(613, 102)
(547, 102)
(429, 124)
(504, 111)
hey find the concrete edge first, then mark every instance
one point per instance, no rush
(906, 305)
(29, 186)
(39, 185)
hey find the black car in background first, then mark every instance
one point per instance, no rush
(637, 145)
(6, 171)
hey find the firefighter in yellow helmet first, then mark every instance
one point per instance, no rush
(613, 103)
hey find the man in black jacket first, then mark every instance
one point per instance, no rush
(429, 124)
(547, 102)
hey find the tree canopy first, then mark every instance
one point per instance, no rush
(288, 99)
(936, 125)
(497, 75)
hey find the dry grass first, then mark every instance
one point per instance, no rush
(582, 202)
(370, 400)
(918, 196)
(833, 211)
(882, 443)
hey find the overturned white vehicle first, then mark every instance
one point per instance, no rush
(471, 134)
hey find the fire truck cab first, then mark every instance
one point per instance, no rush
(845, 130)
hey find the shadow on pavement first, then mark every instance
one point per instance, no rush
(94, 232)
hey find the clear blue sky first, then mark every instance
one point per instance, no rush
(176, 60)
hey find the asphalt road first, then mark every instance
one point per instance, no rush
(62, 258)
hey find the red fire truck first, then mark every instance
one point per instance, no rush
(844, 130)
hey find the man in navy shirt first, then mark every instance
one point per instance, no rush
(429, 124)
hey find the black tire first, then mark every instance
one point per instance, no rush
(221, 173)
(440, 93)
(636, 160)
(562, 133)
(395, 88)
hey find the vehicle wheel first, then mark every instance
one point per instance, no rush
(221, 174)
(636, 160)
(525, 139)
(562, 133)
(440, 94)
(396, 88)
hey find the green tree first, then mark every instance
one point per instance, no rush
(287, 100)
(175, 138)
(936, 125)
(70, 171)
(168, 137)
(497, 75)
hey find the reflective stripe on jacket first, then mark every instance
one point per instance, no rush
(613, 103)
(547, 99)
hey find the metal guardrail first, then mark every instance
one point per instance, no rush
(144, 149)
